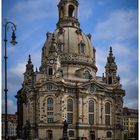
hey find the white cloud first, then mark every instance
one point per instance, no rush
(132, 103)
(101, 59)
(36, 59)
(119, 26)
(86, 10)
(125, 50)
(18, 70)
(32, 10)
(15, 79)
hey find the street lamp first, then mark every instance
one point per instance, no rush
(13, 42)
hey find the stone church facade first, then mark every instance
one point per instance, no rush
(66, 87)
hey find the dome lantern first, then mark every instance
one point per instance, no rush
(68, 13)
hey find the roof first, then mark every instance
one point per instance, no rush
(10, 116)
(130, 112)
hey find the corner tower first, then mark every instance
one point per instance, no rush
(28, 75)
(111, 69)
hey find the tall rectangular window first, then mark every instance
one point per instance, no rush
(107, 119)
(50, 117)
(91, 119)
(70, 118)
(70, 111)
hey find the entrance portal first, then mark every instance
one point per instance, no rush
(92, 135)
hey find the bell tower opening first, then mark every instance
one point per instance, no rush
(61, 12)
(110, 80)
(71, 11)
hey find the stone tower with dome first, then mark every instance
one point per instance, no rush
(66, 87)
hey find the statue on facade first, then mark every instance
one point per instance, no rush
(65, 128)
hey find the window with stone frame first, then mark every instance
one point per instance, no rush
(71, 133)
(70, 111)
(60, 47)
(93, 88)
(82, 47)
(61, 12)
(107, 113)
(91, 112)
(108, 134)
(87, 74)
(49, 86)
(50, 114)
(71, 11)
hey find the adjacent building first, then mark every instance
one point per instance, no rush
(12, 125)
(66, 87)
(130, 122)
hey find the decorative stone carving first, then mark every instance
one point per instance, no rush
(61, 30)
(79, 31)
(93, 88)
(89, 36)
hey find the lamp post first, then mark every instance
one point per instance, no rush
(13, 42)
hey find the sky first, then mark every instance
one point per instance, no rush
(110, 22)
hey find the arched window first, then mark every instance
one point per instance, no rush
(107, 113)
(49, 110)
(71, 11)
(70, 105)
(82, 47)
(91, 106)
(87, 74)
(108, 134)
(70, 111)
(50, 104)
(61, 12)
(91, 112)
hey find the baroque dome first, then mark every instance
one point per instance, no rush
(71, 41)
(68, 41)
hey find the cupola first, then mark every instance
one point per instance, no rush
(68, 13)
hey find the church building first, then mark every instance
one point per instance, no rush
(66, 87)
